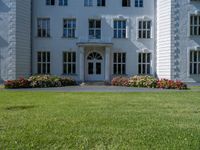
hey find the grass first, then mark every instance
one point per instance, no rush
(42, 120)
(194, 87)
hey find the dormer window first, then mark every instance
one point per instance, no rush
(126, 3)
(50, 2)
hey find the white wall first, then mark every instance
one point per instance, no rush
(113, 10)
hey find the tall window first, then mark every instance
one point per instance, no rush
(138, 3)
(69, 28)
(119, 28)
(88, 3)
(63, 2)
(144, 63)
(126, 3)
(69, 62)
(144, 29)
(101, 2)
(119, 63)
(50, 2)
(195, 25)
(195, 62)
(94, 29)
(43, 26)
(43, 63)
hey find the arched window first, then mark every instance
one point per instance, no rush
(94, 56)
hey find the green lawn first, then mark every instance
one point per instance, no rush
(119, 121)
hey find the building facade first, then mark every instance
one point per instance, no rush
(95, 40)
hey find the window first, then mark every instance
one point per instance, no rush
(144, 29)
(43, 26)
(94, 29)
(69, 28)
(88, 3)
(138, 3)
(195, 25)
(50, 2)
(119, 63)
(144, 63)
(43, 63)
(69, 62)
(63, 2)
(101, 3)
(126, 3)
(195, 62)
(119, 28)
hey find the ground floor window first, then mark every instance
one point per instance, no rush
(119, 63)
(195, 62)
(43, 63)
(144, 63)
(69, 62)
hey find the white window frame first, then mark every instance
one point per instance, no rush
(88, 3)
(49, 2)
(71, 27)
(146, 63)
(128, 3)
(45, 62)
(121, 29)
(138, 3)
(117, 63)
(100, 3)
(192, 62)
(193, 25)
(63, 2)
(40, 22)
(94, 29)
(71, 63)
(144, 29)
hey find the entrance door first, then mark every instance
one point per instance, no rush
(94, 67)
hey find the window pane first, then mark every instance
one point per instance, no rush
(115, 69)
(98, 68)
(90, 68)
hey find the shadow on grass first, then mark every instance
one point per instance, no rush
(16, 108)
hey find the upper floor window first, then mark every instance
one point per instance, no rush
(50, 2)
(101, 3)
(69, 28)
(195, 62)
(144, 29)
(119, 28)
(126, 3)
(43, 27)
(94, 29)
(88, 3)
(144, 63)
(195, 25)
(63, 2)
(138, 3)
(119, 63)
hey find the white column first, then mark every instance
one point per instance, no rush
(82, 64)
(107, 64)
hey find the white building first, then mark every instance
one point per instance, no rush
(94, 40)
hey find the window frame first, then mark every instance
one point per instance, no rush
(63, 2)
(67, 63)
(47, 29)
(72, 28)
(121, 29)
(128, 3)
(88, 3)
(145, 62)
(144, 30)
(41, 63)
(94, 29)
(122, 70)
(192, 26)
(101, 3)
(49, 2)
(139, 3)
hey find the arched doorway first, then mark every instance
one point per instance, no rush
(94, 66)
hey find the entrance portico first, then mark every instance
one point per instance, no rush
(95, 61)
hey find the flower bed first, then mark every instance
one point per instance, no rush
(39, 81)
(148, 82)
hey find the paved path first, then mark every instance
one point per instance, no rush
(100, 89)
